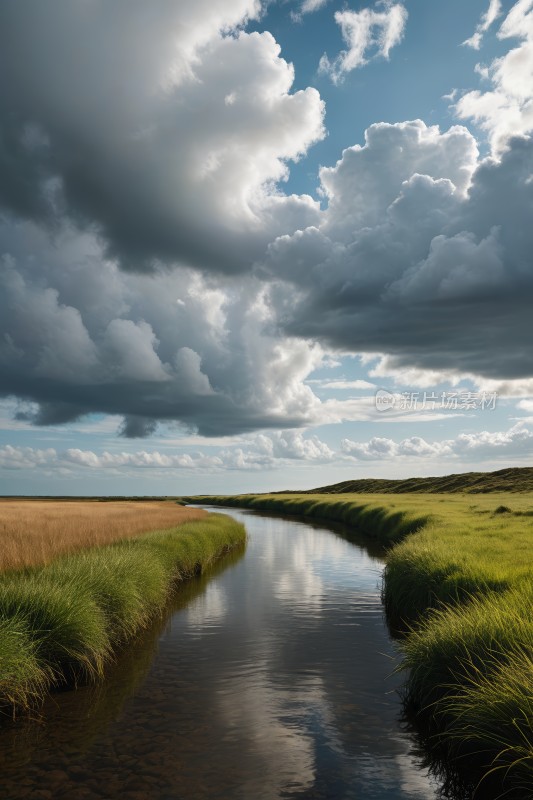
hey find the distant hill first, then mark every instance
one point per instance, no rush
(513, 479)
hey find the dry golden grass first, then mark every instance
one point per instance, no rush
(34, 532)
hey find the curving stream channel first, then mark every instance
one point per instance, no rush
(270, 677)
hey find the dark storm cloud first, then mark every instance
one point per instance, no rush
(137, 427)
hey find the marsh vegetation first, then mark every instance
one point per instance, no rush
(62, 622)
(458, 586)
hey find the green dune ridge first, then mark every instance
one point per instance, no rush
(512, 479)
(62, 623)
(458, 585)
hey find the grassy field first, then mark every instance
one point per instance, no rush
(60, 623)
(459, 583)
(34, 532)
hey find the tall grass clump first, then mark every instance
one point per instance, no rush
(470, 678)
(23, 677)
(62, 623)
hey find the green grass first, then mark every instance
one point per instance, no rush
(471, 679)
(62, 623)
(458, 583)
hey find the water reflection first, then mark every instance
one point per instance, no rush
(271, 679)
(71, 721)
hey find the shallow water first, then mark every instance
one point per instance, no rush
(270, 677)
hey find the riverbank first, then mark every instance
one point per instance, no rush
(459, 584)
(60, 624)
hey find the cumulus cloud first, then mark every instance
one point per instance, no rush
(368, 34)
(163, 129)
(26, 457)
(274, 451)
(423, 254)
(294, 446)
(488, 18)
(78, 335)
(506, 110)
(138, 460)
(379, 448)
(261, 452)
(515, 442)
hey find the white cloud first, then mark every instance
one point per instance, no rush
(412, 377)
(507, 109)
(386, 367)
(367, 34)
(275, 451)
(258, 453)
(515, 442)
(363, 409)
(489, 17)
(139, 460)
(309, 6)
(293, 445)
(26, 457)
(395, 164)
(451, 96)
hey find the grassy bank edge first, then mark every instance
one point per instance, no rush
(468, 633)
(62, 623)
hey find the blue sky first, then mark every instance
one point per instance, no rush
(429, 63)
(224, 228)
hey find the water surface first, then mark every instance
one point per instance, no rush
(271, 677)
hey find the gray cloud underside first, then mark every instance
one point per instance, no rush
(166, 347)
(210, 416)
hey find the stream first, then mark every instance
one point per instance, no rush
(271, 676)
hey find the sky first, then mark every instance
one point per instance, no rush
(251, 246)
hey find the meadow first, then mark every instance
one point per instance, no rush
(34, 532)
(62, 622)
(458, 587)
